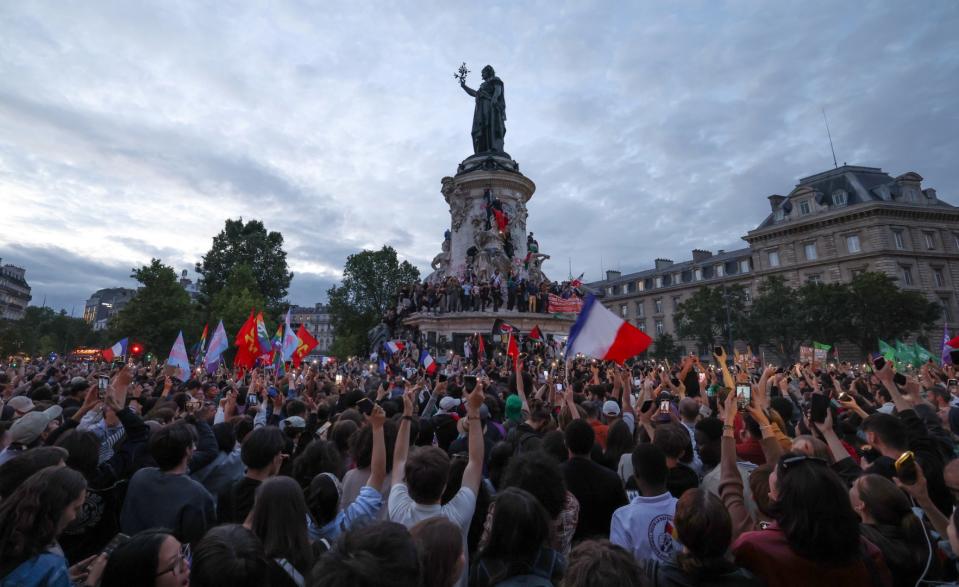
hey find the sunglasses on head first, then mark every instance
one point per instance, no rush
(788, 462)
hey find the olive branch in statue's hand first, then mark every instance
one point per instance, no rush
(461, 74)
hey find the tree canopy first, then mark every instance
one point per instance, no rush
(159, 310)
(43, 331)
(261, 251)
(370, 283)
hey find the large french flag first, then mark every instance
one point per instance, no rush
(601, 334)
(394, 346)
(117, 350)
(428, 363)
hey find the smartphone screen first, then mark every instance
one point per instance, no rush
(819, 408)
(469, 382)
(637, 381)
(559, 387)
(743, 396)
(906, 468)
(879, 362)
(251, 399)
(899, 378)
(339, 378)
(718, 350)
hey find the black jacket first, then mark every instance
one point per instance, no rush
(599, 492)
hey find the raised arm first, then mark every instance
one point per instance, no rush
(468, 89)
(402, 447)
(473, 475)
(378, 462)
(521, 388)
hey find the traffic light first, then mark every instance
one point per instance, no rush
(135, 349)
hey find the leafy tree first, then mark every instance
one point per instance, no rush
(776, 317)
(371, 280)
(665, 347)
(233, 303)
(877, 308)
(42, 331)
(252, 245)
(711, 313)
(159, 310)
(825, 311)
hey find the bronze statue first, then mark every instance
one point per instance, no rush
(489, 115)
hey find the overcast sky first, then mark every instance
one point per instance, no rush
(134, 129)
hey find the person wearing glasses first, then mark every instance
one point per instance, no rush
(815, 538)
(152, 557)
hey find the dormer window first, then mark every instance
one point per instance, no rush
(839, 198)
(779, 215)
(804, 207)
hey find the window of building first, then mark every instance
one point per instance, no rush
(857, 272)
(955, 240)
(839, 198)
(720, 270)
(676, 301)
(810, 250)
(641, 324)
(779, 215)
(687, 276)
(659, 328)
(747, 296)
(624, 310)
(946, 308)
(852, 243)
(659, 281)
(938, 277)
(898, 238)
(744, 266)
(641, 286)
(658, 304)
(906, 271)
(698, 274)
(773, 258)
(930, 239)
(667, 279)
(648, 283)
(640, 309)
(610, 290)
(804, 207)
(814, 278)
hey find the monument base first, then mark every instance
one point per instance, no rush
(448, 331)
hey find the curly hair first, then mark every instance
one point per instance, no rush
(30, 518)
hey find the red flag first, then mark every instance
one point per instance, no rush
(954, 343)
(482, 350)
(307, 344)
(246, 346)
(536, 333)
(512, 349)
(501, 220)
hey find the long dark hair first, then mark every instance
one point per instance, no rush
(440, 546)
(898, 533)
(279, 520)
(619, 441)
(135, 562)
(813, 510)
(30, 517)
(705, 529)
(520, 528)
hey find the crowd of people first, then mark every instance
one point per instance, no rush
(577, 473)
(471, 293)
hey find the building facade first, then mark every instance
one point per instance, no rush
(14, 292)
(829, 228)
(104, 305)
(318, 324)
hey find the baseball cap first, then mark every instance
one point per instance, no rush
(295, 422)
(610, 408)
(21, 403)
(28, 428)
(449, 403)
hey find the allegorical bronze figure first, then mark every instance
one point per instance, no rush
(489, 115)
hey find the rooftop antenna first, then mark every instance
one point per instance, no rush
(570, 259)
(602, 271)
(828, 134)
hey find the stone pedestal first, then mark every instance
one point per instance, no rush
(481, 179)
(448, 331)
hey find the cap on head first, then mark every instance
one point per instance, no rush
(610, 408)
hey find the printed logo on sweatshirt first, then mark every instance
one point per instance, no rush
(660, 535)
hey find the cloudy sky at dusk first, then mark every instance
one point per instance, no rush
(131, 130)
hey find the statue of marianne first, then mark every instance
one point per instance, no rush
(489, 116)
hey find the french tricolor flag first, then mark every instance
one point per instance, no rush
(394, 346)
(117, 350)
(601, 334)
(428, 363)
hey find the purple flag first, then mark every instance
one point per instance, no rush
(946, 349)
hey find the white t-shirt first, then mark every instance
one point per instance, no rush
(403, 510)
(644, 527)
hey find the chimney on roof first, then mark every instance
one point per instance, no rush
(701, 254)
(663, 263)
(611, 275)
(775, 200)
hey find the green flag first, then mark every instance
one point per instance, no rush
(905, 353)
(887, 351)
(820, 346)
(922, 355)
